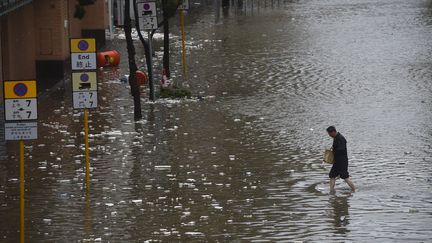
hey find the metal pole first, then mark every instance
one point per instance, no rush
(110, 19)
(87, 160)
(151, 80)
(22, 191)
(183, 45)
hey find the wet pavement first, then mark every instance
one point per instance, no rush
(244, 164)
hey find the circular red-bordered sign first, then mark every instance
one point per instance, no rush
(20, 89)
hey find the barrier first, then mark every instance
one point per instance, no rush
(141, 77)
(108, 58)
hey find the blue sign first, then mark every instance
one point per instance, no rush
(20, 89)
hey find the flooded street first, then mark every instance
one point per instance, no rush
(244, 163)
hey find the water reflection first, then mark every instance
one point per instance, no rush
(340, 212)
(88, 217)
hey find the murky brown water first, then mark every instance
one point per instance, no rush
(244, 163)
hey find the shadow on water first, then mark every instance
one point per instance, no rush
(340, 212)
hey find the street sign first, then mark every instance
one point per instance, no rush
(84, 85)
(84, 81)
(150, 23)
(21, 130)
(85, 100)
(20, 89)
(83, 45)
(184, 5)
(20, 109)
(84, 75)
(83, 61)
(146, 9)
(147, 14)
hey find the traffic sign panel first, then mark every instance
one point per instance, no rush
(83, 45)
(147, 14)
(20, 89)
(84, 81)
(184, 5)
(147, 9)
(21, 130)
(83, 61)
(149, 23)
(21, 109)
(85, 100)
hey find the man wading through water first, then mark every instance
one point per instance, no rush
(340, 166)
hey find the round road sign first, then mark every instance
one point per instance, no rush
(20, 89)
(146, 6)
(84, 77)
(83, 45)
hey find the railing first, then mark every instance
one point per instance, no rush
(7, 6)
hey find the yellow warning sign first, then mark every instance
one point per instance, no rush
(20, 89)
(84, 81)
(83, 45)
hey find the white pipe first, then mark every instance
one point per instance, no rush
(110, 20)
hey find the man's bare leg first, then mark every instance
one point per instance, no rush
(332, 184)
(350, 184)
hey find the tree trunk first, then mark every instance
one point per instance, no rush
(166, 55)
(225, 3)
(135, 90)
(147, 54)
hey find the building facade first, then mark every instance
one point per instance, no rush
(35, 36)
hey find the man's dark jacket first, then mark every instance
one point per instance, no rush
(340, 150)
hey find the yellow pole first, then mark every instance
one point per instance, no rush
(22, 191)
(87, 160)
(183, 44)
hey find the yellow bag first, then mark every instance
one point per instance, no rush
(329, 156)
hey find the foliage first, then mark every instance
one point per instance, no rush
(175, 92)
(79, 8)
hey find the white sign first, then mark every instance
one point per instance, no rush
(147, 14)
(84, 81)
(20, 109)
(83, 61)
(85, 100)
(184, 5)
(150, 23)
(146, 9)
(21, 130)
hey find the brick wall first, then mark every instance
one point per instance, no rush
(95, 16)
(51, 33)
(19, 56)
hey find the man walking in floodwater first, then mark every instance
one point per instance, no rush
(340, 166)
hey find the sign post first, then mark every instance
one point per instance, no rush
(22, 192)
(148, 20)
(20, 104)
(84, 86)
(184, 6)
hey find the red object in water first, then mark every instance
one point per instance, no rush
(141, 77)
(108, 58)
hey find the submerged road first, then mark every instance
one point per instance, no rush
(244, 164)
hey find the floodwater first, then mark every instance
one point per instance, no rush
(244, 164)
